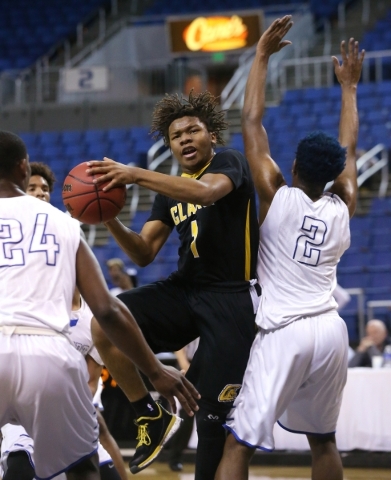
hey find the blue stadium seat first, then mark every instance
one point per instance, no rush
(118, 134)
(72, 136)
(380, 280)
(30, 139)
(360, 242)
(361, 224)
(77, 151)
(381, 206)
(354, 263)
(328, 121)
(380, 262)
(52, 152)
(97, 150)
(351, 319)
(95, 136)
(349, 280)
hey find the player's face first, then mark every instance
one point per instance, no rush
(38, 187)
(191, 143)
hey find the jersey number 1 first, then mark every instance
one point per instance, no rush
(194, 234)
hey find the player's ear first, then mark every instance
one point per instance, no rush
(213, 137)
(24, 167)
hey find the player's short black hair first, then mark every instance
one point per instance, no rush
(43, 170)
(319, 158)
(202, 105)
(12, 151)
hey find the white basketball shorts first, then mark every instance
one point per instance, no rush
(15, 439)
(296, 375)
(47, 393)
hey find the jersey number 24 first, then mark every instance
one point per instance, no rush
(11, 234)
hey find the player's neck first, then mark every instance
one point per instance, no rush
(313, 192)
(9, 189)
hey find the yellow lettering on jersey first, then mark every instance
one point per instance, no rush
(191, 209)
(229, 393)
(174, 211)
(182, 217)
(194, 234)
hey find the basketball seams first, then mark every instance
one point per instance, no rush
(99, 205)
(81, 180)
(86, 200)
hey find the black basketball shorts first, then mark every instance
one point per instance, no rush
(171, 315)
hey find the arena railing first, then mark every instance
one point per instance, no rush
(318, 72)
(370, 163)
(372, 305)
(359, 293)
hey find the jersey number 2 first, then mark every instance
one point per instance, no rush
(11, 234)
(305, 251)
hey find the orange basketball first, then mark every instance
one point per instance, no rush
(86, 201)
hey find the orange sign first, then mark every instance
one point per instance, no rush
(214, 33)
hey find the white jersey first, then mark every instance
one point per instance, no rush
(80, 332)
(300, 245)
(37, 274)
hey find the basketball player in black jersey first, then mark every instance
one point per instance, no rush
(212, 206)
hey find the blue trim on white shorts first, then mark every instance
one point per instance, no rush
(243, 442)
(69, 466)
(304, 433)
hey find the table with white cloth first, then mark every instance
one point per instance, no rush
(365, 419)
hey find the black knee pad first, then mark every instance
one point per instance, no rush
(210, 421)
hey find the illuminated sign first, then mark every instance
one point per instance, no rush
(218, 33)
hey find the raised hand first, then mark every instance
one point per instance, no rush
(349, 71)
(271, 39)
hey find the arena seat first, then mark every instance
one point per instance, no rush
(30, 29)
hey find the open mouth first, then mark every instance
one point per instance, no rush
(189, 152)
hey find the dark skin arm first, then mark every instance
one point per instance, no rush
(348, 74)
(141, 247)
(122, 330)
(266, 173)
(205, 191)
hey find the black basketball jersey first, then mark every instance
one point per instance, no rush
(219, 243)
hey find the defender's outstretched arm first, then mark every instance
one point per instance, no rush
(266, 173)
(348, 74)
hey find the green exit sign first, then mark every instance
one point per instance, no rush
(218, 57)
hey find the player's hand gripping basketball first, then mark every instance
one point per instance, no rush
(271, 39)
(171, 383)
(112, 172)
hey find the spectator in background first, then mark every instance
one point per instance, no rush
(41, 181)
(371, 345)
(123, 279)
